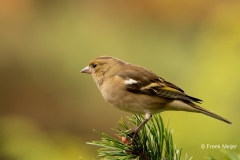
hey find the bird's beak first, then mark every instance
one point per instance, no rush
(86, 70)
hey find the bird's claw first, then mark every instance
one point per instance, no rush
(131, 135)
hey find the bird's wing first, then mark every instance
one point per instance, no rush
(142, 81)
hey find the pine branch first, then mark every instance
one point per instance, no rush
(154, 142)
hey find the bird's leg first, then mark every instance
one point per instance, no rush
(136, 131)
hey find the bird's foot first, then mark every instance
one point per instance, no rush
(131, 137)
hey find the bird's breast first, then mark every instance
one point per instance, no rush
(120, 97)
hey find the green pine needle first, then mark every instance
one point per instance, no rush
(153, 142)
(228, 155)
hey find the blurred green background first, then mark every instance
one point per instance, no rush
(48, 109)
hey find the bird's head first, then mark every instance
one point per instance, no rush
(103, 66)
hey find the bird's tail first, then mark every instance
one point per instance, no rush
(208, 113)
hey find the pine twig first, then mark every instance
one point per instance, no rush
(154, 142)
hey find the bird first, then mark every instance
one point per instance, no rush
(134, 89)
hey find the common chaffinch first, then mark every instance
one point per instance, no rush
(137, 90)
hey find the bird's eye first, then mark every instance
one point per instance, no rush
(94, 65)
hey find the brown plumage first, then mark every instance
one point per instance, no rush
(135, 89)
